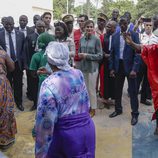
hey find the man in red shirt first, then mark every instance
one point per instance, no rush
(79, 33)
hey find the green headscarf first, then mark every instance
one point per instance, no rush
(44, 39)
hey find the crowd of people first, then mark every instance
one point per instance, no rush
(68, 70)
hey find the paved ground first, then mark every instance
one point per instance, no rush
(115, 138)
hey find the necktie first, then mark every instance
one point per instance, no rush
(12, 51)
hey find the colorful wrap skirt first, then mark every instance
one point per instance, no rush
(7, 120)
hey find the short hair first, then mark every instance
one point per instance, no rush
(39, 22)
(112, 22)
(10, 19)
(127, 13)
(83, 15)
(63, 25)
(88, 22)
(115, 9)
(35, 16)
(23, 16)
(155, 17)
(46, 13)
(3, 19)
(123, 18)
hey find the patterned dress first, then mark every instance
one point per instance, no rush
(7, 120)
(63, 126)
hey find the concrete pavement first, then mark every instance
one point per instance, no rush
(115, 137)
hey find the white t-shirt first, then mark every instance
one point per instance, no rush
(149, 39)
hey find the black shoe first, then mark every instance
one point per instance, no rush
(146, 102)
(20, 107)
(114, 114)
(33, 108)
(134, 120)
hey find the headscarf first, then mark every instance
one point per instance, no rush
(58, 55)
(44, 39)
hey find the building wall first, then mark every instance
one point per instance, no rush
(16, 8)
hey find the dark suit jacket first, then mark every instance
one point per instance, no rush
(1, 29)
(28, 30)
(33, 27)
(19, 45)
(29, 47)
(131, 59)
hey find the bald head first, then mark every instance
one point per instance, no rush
(111, 27)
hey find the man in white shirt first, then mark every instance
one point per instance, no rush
(147, 38)
(23, 21)
(46, 17)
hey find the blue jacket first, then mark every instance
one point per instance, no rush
(131, 59)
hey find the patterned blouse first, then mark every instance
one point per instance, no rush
(62, 94)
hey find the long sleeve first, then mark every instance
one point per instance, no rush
(111, 58)
(46, 117)
(71, 46)
(98, 52)
(26, 52)
(137, 57)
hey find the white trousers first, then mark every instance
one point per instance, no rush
(90, 80)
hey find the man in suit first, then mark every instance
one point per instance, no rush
(29, 50)
(12, 42)
(46, 17)
(35, 19)
(23, 21)
(2, 22)
(124, 62)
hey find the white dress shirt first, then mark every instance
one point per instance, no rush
(13, 35)
(23, 30)
(122, 45)
(149, 39)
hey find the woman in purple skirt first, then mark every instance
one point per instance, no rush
(64, 128)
